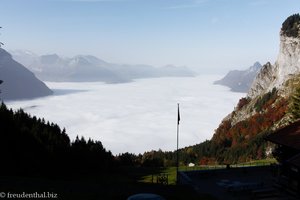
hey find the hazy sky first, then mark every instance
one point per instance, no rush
(214, 34)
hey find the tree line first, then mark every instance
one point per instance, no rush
(32, 146)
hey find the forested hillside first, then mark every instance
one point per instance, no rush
(35, 147)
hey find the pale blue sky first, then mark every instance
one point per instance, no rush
(202, 34)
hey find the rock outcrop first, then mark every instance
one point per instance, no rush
(287, 64)
(284, 75)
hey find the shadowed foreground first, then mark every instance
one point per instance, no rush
(117, 186)
(244, 183)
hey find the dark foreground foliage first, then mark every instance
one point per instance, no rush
(32, 146)
(38, 157)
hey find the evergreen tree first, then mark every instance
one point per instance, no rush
(31, 146)
(295, 105)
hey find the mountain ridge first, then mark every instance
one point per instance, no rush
(18, 81)
(240, 80)
(89, 68)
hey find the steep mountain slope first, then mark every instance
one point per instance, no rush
(240, 80)
(19, 82)
(288, 61)
(271, 103)
(90, 68)
(268, 102)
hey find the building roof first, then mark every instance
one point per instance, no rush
(295, 160)
(287, 136)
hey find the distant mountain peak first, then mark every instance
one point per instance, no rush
(240, 80)
(90, 68)
(87, 60)
(79, 60)
(49, 59)
(255, 67)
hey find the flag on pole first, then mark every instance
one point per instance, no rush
(177, 152)
(178, 118)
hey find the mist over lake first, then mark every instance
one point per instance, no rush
(138, 116)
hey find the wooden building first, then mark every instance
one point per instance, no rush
(287, 152)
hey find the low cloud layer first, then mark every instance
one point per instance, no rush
(139, 116)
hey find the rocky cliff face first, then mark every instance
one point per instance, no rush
(288, 61)
(267, 107)
(284, 74)
(262, 81)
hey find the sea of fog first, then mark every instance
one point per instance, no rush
(138, 116)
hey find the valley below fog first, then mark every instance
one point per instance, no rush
(138, 116)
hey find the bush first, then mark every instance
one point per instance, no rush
(291, 26)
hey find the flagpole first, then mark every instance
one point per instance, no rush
(177, 155)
